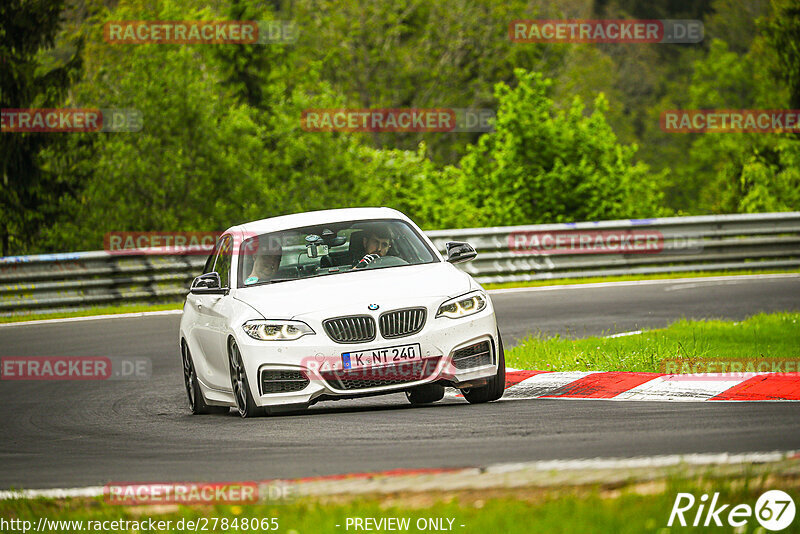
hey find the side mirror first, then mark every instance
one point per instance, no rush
(208, 284)
(458, 252)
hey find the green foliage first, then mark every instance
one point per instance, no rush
(745, 172)
(542, 165)
(31, 76)
(174, 172)
(441, 53)
(781, 32)
(206, 158)
(222, 140)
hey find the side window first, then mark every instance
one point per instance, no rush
(209, 266)
(222, 263)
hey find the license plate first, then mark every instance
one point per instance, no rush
(380, 357)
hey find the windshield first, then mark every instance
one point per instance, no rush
(334, 248)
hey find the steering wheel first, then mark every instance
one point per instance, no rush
(364, 264)
(388, 261)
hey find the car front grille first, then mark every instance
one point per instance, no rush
(401, 323)
(282, 381)
(476, 355)
(353, 329)
(389, 375)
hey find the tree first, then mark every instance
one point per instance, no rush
(741, 172)
(782, 32)
(412, 53)
(220, 144)
(30, 78)
(542, 165)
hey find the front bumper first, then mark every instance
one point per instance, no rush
(312, 356)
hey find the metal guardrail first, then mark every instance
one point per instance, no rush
(73, 281)
(704, 243)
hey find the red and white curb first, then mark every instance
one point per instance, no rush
(650, 386)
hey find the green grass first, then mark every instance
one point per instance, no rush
(628, 278)
(100, 310)
(618, 508)
(761, 336)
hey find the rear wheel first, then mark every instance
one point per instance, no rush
(494, 389)
(425, 394)
(241, 387)
(197, 404)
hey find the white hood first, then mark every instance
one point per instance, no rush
(351, 292)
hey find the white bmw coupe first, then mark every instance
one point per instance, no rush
(335, 304)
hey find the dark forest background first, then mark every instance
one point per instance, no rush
(577, 135)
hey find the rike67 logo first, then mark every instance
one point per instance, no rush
(774, 510)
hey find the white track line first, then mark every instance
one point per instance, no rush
(93, 318)
(645, 461)
(625, 334)
(660, 281)
(57, 493)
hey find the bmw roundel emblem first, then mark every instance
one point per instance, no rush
(373, 306)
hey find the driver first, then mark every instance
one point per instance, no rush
(377, 242)
(266, 262)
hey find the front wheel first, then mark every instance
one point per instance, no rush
(241, 387)
(197, 404)
(425, 394)
(494, 389)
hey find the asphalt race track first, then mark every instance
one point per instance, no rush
(70, 434)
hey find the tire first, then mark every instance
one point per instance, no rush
(241, 387)
(497, 384)
(197, 403)
(425, 394)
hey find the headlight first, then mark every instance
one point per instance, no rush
(462, 306)
(276, 330)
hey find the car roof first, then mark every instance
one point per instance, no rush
(310, 218)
